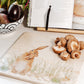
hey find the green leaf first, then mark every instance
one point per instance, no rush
(24, 1)
(21, 2)
(12, 1)
(3, 2)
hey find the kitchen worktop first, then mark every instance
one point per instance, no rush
(5, 43)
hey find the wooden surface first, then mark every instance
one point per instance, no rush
(61, 30)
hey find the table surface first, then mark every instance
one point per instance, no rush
(8, 39)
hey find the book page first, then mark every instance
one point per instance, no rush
(60, 16)
(78, 19)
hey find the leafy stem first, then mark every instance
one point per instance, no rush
(7, 3)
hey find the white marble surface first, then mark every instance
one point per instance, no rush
(4, 80)
(7, 40)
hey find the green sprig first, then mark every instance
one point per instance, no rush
(3, 2)
(7, 3)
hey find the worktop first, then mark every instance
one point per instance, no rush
(7, 40)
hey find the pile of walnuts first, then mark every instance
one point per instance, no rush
(68, 47)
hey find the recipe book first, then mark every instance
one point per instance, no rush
(61, 14)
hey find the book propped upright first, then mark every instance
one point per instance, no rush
(61, 14)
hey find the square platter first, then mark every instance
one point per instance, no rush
(46, 67)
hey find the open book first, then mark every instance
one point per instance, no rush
(61, 14)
